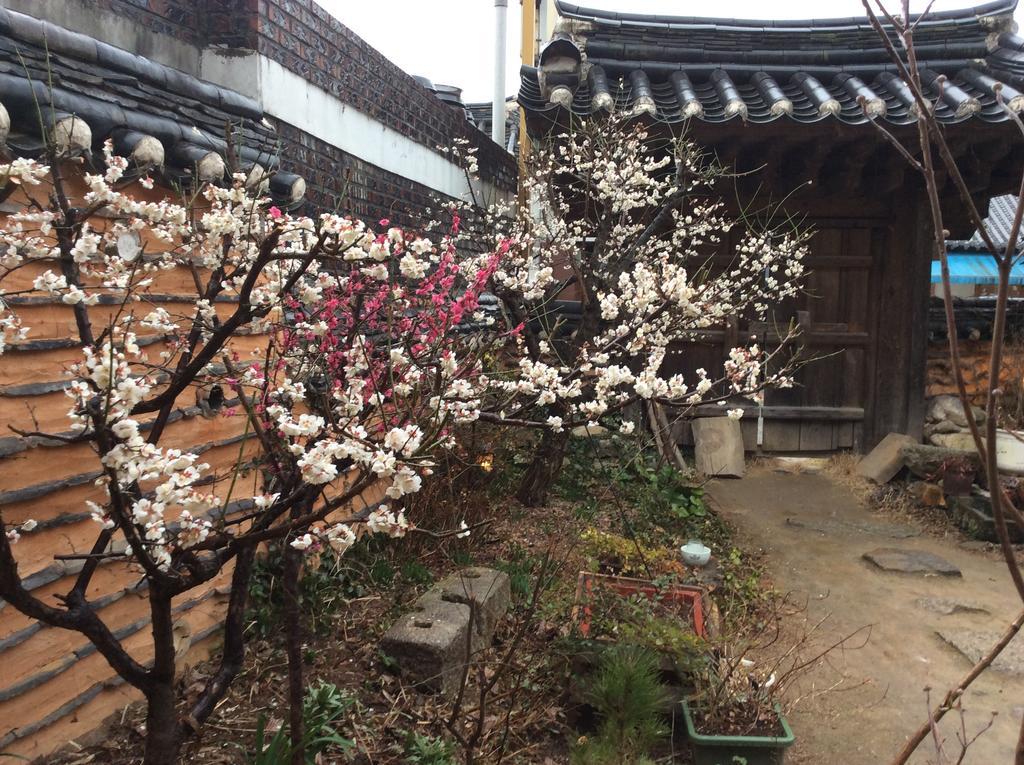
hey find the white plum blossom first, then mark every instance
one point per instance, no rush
(412, 267)
(385, 521)
(405, 481)
(359, 375)
(23, 171)
(630, 225)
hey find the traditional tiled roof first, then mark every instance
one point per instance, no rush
(716, 70)
(999, 222)
(480, 114)
(85, 91)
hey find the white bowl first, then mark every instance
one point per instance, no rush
(695, 553)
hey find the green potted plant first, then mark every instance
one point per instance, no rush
(736, 717)
(736, 714)
(763, 746)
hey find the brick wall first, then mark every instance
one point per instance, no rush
(336, 180)
(178, 18)
(198, 22)
(306, 39)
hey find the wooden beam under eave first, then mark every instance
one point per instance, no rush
(843, 167)
(528, 54)
(799, 167)
(885, 172)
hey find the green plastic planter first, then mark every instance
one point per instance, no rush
(738, 750)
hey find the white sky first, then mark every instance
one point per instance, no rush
(451, 41)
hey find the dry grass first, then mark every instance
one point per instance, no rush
(528, 714)
(387, 710)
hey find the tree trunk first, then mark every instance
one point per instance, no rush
(163, 734)
(293, 627)
(233, 655)
(546, 465)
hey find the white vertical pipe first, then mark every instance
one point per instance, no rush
(498, 105)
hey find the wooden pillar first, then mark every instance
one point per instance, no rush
(900, 298)
(528, 55)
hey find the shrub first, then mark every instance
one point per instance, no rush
(629, 697)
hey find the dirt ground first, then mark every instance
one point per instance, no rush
(814, 530)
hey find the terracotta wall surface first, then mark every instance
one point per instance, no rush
(54, 687)
(974, 361)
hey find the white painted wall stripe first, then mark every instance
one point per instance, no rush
(291, 98)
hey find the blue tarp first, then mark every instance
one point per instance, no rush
(975, 269)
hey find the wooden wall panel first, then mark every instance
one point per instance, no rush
(838, 316)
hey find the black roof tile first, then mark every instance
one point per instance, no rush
(805, 71)
(117, 93)
(101, 83)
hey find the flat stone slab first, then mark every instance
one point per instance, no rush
(883, 462)
(974, 644)
(718, 447)
(836, 528)
(900, 561)
(948, 607)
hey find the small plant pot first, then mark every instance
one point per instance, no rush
(627, 587)
(710, 749)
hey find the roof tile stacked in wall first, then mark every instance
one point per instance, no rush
(121, 95)
(230, 23)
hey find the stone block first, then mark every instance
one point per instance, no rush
(948, 606)
(959, 441)
(974, 644)
(486, 591)
(718, 446)
(940, 428)
(973, 515)
(949, 408)
(928, 462)
(429, 645)
(900, 561)
(883, 462)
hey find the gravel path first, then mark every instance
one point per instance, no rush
(816, 533)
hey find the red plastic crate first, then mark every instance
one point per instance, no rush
(627, 586)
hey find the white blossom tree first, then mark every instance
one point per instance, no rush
(633, 227)
(360, 382)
